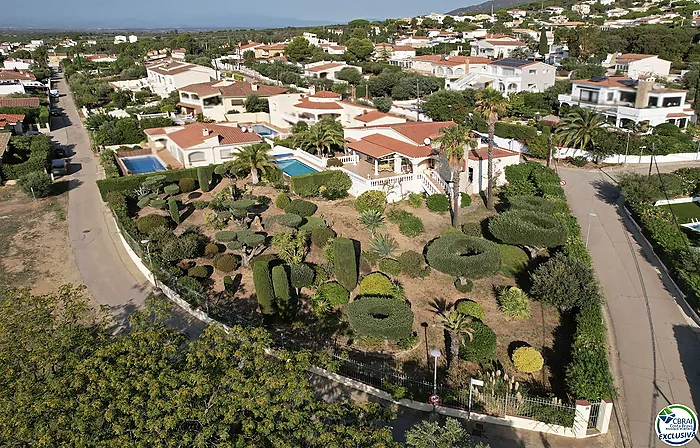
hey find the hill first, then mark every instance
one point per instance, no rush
(486, 7)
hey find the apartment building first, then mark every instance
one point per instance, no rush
(507, 76)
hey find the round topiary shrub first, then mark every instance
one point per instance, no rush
(482, 347)
(171, 189)
(225, 236)
(473, 229)
(376, 284)
(301, 207)
(158, 203)
(313, 222)
(211, 249)
(528, 228)
(470, 308)
(225, 262)
(334, 293)
(198, 272)
(535, 204)
(463, 285)
(289, 220)
(371, 200)
(282, 200)
(147, 224)
(411, 226)
(301, 274)
(320, 237)
(390, 266)
(465, 200)
(528, 360)
(464, 256)
(438, 203)
(186, 185)
(514, 303)
(381, 317)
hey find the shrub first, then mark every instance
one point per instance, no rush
(536, 204)
(320, 236)
(336, 186)
(147, 224)
(528, 228)
(282, 201)
(289, 220)
(376, 284)
(225, 262)
(200, 205)
(463, 285)
(198, 272)
(514, 260)
(334, 162)
(263, 287)
(371, 219)
(313, 222)
(186, 184)
(514, 303)
(171, 189)
(37, 183)
(184, 246)
(470, 308)
(310, 184)
(411, 226)
(579, 161)
(412, 264)
(390, 266)
(380, 317)
(174, 210)
(465, 200)
(482, 348)
(464, 256)
(371, 200)
(345, 262)
(397, 215)
(191, 287)
(211, 249)
(285, 295)
(334, 293)
(225, 236)
(383, 244)
(415, 199)
(527, 360)
(204, 178)
(301, 207)
(564, 282)
(370, 257)
(438, 203)
(158, 203)
(301, 275)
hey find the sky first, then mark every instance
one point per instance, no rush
(213, 13)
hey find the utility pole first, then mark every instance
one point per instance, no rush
(417, 101)
(651, 160)
(549, 155)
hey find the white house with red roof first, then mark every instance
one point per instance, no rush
(325, 69)
(636, 65)
(495, 46)
(448, 67)
(12, 122)
(199, 144)
(167, 75)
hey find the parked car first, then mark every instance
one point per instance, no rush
(59, 167)
(56, 112)
(59, 152)
(54, 93)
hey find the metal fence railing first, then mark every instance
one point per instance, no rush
(593, 418)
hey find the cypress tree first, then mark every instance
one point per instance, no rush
(544, 47)
(284, 294)
(174, 210)
(345, 262)
(203, 178)
(263, 288)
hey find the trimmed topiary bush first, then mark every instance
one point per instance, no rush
(282, 200)
(464, 256)
(301, 207)
(371, 200)
(186, 185)
(474, 229)
(527, 228)
(528, 360)
(211, 249)
(174, 210)
(262, 279)
(289, 220)
(147, 224)
(334, 293)
(158, 203)
(514, 303)
(285, 295)
(376, 284)
(470, 308)
(463, 285)
(412, 264)
(390, 266)
(438, 203)
(565, 282)
(411, 226)
(482, 348)
(536, 204)
(301, 275)
(225, 262)
(381, 317)
(312, 222)
(320, 237)
(465, 200)
(171, 189)
(204, 177)
(198, 272)
(225, 236)
(345, 262)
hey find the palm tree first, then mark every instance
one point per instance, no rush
(456, 324)
(578, 128)
(321, 137)
(490, 103)
(255, 157)
(452, 143)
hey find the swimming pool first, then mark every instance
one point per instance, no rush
(263, 130)
(294, 167)
(142, 164)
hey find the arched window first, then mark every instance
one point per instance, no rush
(448, 71)
(501, 87)
(184, 95)
(197, 157)
(439, 71)
(459, 71)
(512, 87)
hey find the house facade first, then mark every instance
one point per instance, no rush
(166, 76)
(215, 99)
(448, 67)
(495, 47)
(507, 76)
(327, 70)
(636, 65)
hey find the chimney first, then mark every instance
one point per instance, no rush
(254, 86)
(644, 86)
(205, 132)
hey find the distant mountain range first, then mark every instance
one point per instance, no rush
(486, 7)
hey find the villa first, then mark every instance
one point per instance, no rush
(168, 75)
(325, 69)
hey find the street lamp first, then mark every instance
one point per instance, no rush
(588, 232)
(435, 353)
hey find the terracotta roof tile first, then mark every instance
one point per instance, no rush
(192, 135)
(19, 102)
(506, 43)
(482, 153)
(378, 145)
(629, 57)
(237, 89)
(320, 68)
(372, 116)
(19, 74)
(10, 119)
(305, 103)
(326, 94)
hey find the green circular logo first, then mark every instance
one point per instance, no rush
(676, 425)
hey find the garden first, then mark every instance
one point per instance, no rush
(508, 294)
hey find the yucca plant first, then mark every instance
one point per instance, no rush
(383, 244)
(456, 324)
(514, 303)
(372, 220)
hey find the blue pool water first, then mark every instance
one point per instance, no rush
(294, 167)
(143, 164)
(263, 130)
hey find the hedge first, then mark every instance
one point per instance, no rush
(130, 183)
(376, 284)
(464, 256)
(528, 228)
(536, 204)
(345, 262)
(39, 148)
(309, 184)
(482, 348)
(263, 287)
(514, 131)
(285, 295)
(381, 317)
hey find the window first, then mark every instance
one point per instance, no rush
(628, 97)
(672, 101)
(653, 101)
(184, 95)
(589, 95)
(611, 95)
(532, 72)
(213, 101)
(194, 96)
(197, 157)
(226, 154)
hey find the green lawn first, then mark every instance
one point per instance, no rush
(685, 212)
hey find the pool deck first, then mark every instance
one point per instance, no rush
(169, 160)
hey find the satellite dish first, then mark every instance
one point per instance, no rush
(427, 141)
(244, 129)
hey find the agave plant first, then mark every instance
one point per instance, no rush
(372, 220)
(383, 244)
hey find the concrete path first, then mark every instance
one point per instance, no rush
(655, 344)
(111, 277)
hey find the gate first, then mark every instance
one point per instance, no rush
(593, 418)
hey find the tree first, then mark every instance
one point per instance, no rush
(452, 143)
(349, 74)
(383, 103)
(255, 158)
(565, 282)
(490, 103)
(249, 58)
(456, 325)
(589, 71)
(358, 49)
(578, 128)
(544, 45)
(427, 434)
(321, 137)
(520, 53)
(299, 50)
(445, 105)
(254, 103)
